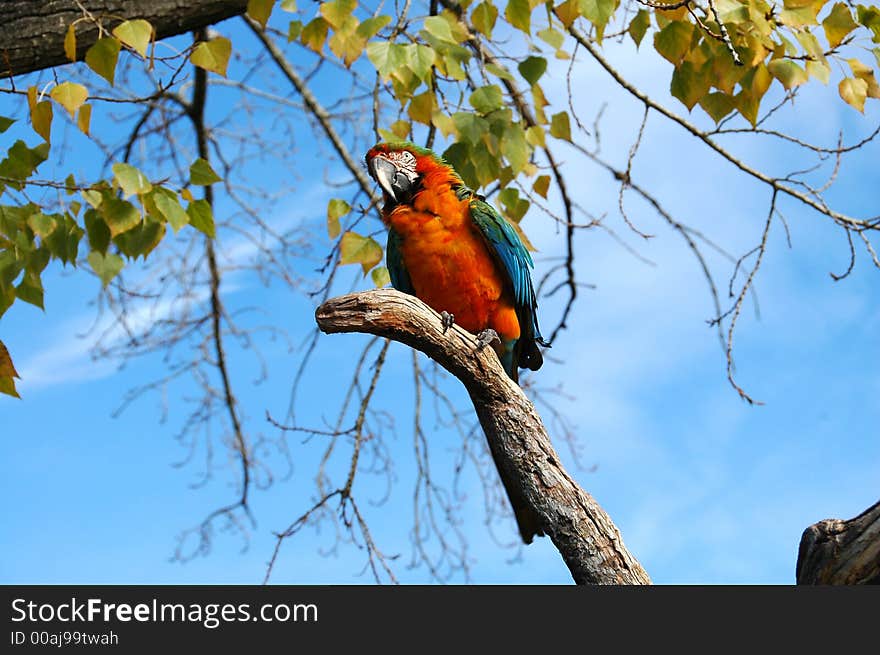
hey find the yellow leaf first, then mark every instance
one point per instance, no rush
(541, 185)
(355, 249)
(213, 55)
(70, 42)
(838, 24)
(7, 373)
(84, 119)
(854, 91)
(70, 95)
(136, 34)
(41, 119)
(260, 10)
(866, 73)
(787, 72)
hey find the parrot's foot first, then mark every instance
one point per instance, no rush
(486, 338)
(447, 320)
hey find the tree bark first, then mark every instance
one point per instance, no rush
(580, 529)
(32, 31)
(836, 552)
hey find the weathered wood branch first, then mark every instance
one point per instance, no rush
(836, 552)
(32, 31)
(580, 529)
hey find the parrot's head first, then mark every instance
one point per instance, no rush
(403, 169)
(394, 166)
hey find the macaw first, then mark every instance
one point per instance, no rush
(454, 251)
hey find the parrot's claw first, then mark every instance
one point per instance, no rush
(447, 320)
(486, 338)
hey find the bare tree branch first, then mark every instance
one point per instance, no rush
(586, 538)
(841, 552)
(32, 31)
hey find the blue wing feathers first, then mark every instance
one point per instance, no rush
(517, 262)
(400, 279)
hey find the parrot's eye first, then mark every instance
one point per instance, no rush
(404, 160)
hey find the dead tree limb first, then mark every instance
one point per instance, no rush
(836, 552)
(32, 31)
(580, 529)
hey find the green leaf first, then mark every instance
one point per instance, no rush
(212, 55)
(869, 16)
(638, 26)
(420, 59)
(336, 209)
(598, 12)
(260, 10)
(439, 28)
(381, 277)
(168, 205)
(519, 15)
(21, 161)
(41, 224)
(288, 6)
(97, 231)
(553, 38)
(515, 148)
(355, 249)
(294, 30)
(512, 206)
(673, 42)
(106, 266)
(140, 241)
(560, 126)
(717, 105)
(30, 290)
(788, 72)
(688, 84)
(337, 11)
(487, 99)
(532, 68)
(5, 123)
(201, 217)
(470, 127)
(386, 57)
(370, 27)
(201, 173)
(136, 34)
(120, 215)
(483, 17)
(130, 179)
(69, 95)
(102, 57)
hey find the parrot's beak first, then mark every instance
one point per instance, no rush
(393, 182)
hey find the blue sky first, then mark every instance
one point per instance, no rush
(704, 488)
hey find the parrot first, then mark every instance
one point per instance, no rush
(450, 248)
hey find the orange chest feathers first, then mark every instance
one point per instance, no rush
(449, 262)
